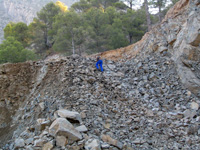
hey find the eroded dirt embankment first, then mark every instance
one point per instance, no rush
(16, 84)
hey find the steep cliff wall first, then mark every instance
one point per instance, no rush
(22, 11)
(177, 35)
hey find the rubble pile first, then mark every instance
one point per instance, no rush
(131, 105)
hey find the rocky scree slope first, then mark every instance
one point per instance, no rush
(179, 35)
(68, 104)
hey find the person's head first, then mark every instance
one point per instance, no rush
(98, 58)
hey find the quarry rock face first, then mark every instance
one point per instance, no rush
(142, 101)
(178, 35)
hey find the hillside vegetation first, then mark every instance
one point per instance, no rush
(85, 28)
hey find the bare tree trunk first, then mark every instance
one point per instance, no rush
(80, 53)
(130, 39)
(105, 4)
(73, 45)
(131, 4)
(45, 38)
(72, 42)
(147, 15)
(159, 13)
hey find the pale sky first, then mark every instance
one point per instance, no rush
(139, 3)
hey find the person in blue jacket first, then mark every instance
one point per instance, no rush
(99, 63)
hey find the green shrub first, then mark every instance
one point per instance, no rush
(13, 51)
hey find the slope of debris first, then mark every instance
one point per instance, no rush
(131, 105)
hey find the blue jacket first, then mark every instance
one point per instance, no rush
(99, 63)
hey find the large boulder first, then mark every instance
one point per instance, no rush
(62, 127)
(69, 114)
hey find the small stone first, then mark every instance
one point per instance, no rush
(189, 93)
(106, 125)
(138, 141)
(83, 115)
(11, 146)
(69, 114)
(38, 143)
(105, 145)
(40, 120)
(29, 147)
(82, 142)
(193, 129)
(19, 143)
(108, 139)
(189, 114)
(129, 148)
(149, 113)
(129, 121)
(194, 106)
(47, 146)
(137, 119)
(42, 106)
(42, 123)
(82, 128)
(152, 75)
(91, 79)
(29, 141)
(44, 133)
(92, 144)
